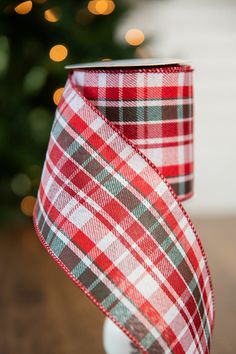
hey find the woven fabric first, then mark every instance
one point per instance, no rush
(154, 111)
(111, 220)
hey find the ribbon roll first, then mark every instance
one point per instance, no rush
(120, 151)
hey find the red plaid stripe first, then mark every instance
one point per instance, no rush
(108, 216)
(154, 111)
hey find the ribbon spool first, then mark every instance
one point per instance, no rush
(109, 212)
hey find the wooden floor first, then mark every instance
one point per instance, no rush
(43, 312)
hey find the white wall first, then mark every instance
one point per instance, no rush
(204, 32)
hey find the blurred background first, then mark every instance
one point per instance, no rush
(41, 311)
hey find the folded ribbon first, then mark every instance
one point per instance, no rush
(120, 151)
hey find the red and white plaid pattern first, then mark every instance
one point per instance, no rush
(154, 111)
(110, 219)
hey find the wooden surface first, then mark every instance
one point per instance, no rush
(43, 312)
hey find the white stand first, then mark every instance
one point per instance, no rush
(114, 340)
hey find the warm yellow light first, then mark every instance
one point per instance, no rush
(92, 7)
(24, 7)
(134, 37)
(51, 15)
(58, 53)
(106, 59)
(57, 95)
(27, 205)
(110, 8)
(101, 7)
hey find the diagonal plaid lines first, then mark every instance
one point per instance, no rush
(110, 219)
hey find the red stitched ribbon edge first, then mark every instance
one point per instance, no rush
(160, 294)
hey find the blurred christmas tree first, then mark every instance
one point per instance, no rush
(38, 38)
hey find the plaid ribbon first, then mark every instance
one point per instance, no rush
(108, 216)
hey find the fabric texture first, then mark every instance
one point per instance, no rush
(154, 111)
(107, 209)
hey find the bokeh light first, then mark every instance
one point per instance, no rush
(35, 79)
(24, 7)
(21, 184)
(57, 95)
(27, 205)
(4, 54)
(58, 52)
(92, 7)
(101, 7)
(134, 37)
(52, 15)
